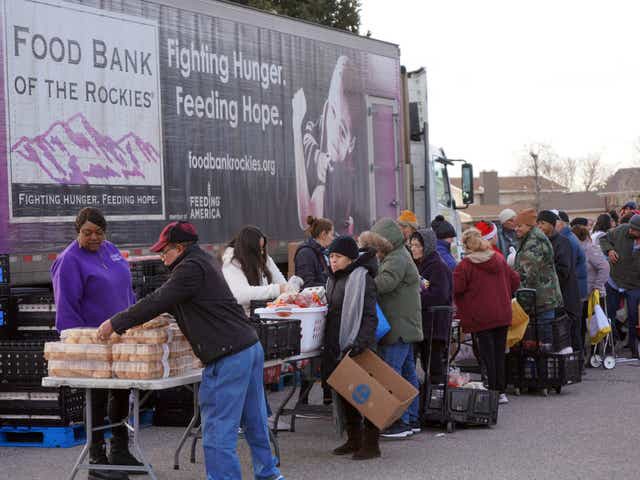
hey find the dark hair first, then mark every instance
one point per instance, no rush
(253, 261)
(614, 216)
(603, 223)
(417, 236)
(581, 232)
(626, 217)
(93, 215)
(317, 225)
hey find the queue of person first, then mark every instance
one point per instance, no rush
(211, 307)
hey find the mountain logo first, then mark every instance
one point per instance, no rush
(75, 152)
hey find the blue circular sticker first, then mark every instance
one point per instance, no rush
(361, 394)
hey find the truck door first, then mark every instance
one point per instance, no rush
(384, 158)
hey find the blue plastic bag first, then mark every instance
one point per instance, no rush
(383, 324)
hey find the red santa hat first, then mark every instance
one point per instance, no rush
(488, 230)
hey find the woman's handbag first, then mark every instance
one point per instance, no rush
(383, 326)
(519, 323)
(599, 326)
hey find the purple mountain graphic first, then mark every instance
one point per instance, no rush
(74, 152)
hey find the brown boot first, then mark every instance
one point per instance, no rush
(353, 443)
(370, 447)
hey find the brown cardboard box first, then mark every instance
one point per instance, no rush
(373, 388)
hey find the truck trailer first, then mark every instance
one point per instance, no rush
(199, 110)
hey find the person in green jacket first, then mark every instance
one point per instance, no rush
(622, 247)
(398, 286)
(535, 264)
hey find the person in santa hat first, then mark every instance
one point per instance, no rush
(489, 232)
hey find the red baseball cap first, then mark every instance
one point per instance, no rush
(175, 232)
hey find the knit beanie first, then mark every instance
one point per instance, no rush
(634, 223)
(408, 219)
(547, 216)
(580, 221)
(506, 215)
(443, 228)
(526, 217)
(344, 245)
(562, 215)
(488, 230)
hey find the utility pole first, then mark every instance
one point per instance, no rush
(536, 177)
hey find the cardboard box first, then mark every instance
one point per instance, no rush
(373, 388)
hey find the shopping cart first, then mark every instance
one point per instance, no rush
(603, 353)
(448, 406)
(533, 364)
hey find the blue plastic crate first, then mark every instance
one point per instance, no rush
(43, 437)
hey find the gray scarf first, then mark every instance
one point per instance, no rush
(352, 306)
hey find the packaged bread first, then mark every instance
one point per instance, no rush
(162, 320)
(85, 336)
(146, 335)
(140, 352)
(179, 348)
(82, 368)
(178, 335)
(141, 370)
(77, 351)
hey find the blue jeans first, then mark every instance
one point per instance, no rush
(633, 299)
(231, 395)
(400, 357)
(544, 320)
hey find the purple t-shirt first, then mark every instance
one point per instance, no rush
(90, 287)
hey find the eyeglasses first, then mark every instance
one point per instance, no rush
(163, 253)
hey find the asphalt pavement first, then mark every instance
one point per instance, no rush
(590, 431)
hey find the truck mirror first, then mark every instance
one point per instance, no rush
(467, 183)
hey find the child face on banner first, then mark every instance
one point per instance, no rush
(340, 142)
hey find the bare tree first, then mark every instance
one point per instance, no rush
(539, 161)
(565, 172)
(593, 172)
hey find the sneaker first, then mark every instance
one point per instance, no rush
(415, 426)
(503, 399)
(397, 430)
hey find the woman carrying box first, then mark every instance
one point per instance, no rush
(350, 328)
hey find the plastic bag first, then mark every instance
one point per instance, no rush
(599, 326)
(383, 326)
(457, 378)
(519, 323)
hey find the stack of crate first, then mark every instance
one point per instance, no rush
(32, 415)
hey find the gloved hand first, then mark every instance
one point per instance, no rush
(354, 350)
(511, 258)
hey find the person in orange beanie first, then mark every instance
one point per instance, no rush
(408, 223)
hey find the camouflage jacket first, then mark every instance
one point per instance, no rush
(535, 264)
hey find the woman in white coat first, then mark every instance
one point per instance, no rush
(249, 271)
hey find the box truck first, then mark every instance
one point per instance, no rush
(206, 111)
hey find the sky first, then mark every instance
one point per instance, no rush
(506, 74)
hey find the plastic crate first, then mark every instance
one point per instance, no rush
(43, 437)
(472, 407)
(22, 362)
(560, 334)
(173, 407)
(5, 277)
(543, 370)
(39, 406)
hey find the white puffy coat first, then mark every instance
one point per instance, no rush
(239, 285)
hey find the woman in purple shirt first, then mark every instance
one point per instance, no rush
(91, 283)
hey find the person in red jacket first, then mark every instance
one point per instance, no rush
(483, 284)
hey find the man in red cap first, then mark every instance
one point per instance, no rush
(231, 392)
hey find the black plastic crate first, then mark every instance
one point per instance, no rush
(22, 362)
(470, 406)
(5, 314)
(560, 334)
(39, 406)
(173, 407)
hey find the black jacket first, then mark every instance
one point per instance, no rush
(198, 296)
(432, 268)
(335, 296)
(565, 269)
(311, 265)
